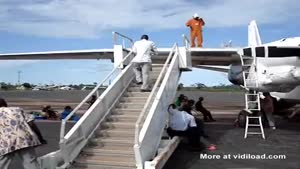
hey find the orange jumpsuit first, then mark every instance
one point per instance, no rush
(196, 31)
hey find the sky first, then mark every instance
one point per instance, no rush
(53, 25)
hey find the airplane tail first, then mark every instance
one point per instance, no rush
(253, 34)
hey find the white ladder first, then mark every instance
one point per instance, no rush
(254, 125)
(252, 100)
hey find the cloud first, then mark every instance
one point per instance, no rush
(91, 18)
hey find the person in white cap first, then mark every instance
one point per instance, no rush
(196, 24)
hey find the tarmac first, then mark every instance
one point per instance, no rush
(285, 140)
(235, 152)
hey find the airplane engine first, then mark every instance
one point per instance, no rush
(235, 74)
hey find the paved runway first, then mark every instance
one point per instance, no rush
(229, 141)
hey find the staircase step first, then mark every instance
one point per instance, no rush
(131, 105)
(109, 149)
(105, 160)
(115, 133)
(137, 94)
(134, 99)
(122, 125)
(123, 118)
(112, 141)
(127, 111)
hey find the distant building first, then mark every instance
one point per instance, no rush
(21, 88)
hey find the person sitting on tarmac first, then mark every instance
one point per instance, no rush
(92, 101)
(179, 100)
(183, 124)
(207, 117)
(50, 113)
(66, 112)
(187, 106)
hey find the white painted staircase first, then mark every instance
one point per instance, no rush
(112, 145)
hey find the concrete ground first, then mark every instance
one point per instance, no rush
(229, 141)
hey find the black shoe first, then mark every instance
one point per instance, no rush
(139, 83)
(213, 120)
(145, 90)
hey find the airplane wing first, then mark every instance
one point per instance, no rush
(199, 56)
(224, 69)
(73, 54)
(214, 56)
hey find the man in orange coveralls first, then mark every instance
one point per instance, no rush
(196, 29)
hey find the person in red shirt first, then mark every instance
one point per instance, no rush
(196, 25)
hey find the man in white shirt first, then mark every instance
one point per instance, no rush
(183, 124)
(181, 120)
(143, 49)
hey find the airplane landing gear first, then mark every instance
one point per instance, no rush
(241, 119)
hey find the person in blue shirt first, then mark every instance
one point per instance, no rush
(66, 112)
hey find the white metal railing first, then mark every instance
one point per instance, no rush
(123, 38)
(84, 129)
(186, 41)
(144, 111)
(95, 90)
(156, 118)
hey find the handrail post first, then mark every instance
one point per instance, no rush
(114, 38)
(186, 41)
(62, 131)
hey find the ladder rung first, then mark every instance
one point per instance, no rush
(254, 125)
(249, 101)
(253, 117)
(254, 133)
(254, 109)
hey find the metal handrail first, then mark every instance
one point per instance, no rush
(186, 41)
(63, 125)
(115, 34)
(139, 121)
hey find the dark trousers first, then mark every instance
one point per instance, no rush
(206, 114)
(191, 133)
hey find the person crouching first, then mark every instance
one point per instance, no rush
(183, 124)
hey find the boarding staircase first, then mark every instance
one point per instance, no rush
(112, 144)
(252, 99)
(123, 128)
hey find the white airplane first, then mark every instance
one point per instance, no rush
(277, 67)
